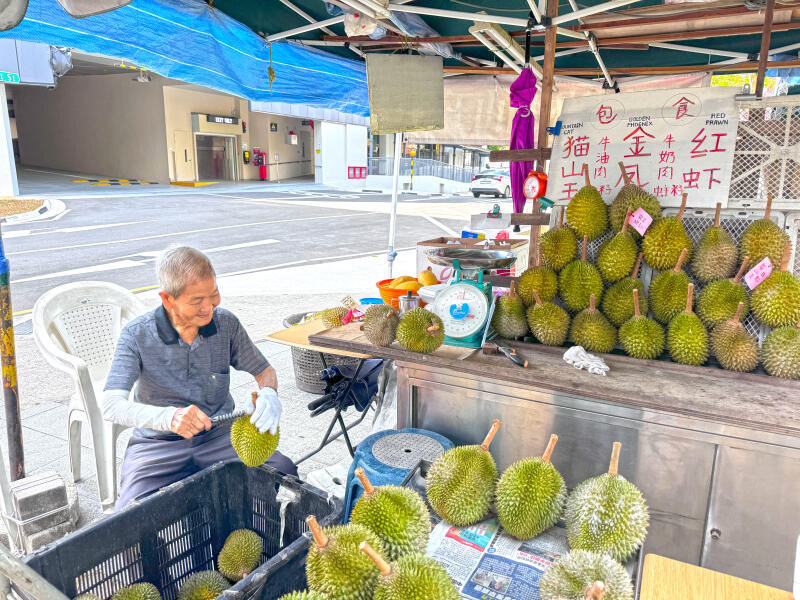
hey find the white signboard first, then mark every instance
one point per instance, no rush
(670, 141)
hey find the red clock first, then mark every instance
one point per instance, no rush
(535, 185)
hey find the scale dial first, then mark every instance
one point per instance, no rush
(463, 308)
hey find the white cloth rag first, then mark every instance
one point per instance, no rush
(580, 359)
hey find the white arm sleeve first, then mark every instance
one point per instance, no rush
(118, 408)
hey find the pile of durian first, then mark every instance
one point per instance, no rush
(565, 298)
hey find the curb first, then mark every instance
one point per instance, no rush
(49, 208)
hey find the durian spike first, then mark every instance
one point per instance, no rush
(512, 292)
(681, 259)
(376, 558)
(490, 436)
(738, 316)
(742, 269)
(627, 218)
(551, 445)
(592, 301)
(585, 170)
(624, 173)
(536, 297)
(596, 591)
(362, 477)
(320, 539)
(583, 250)
(787, 254)
(689, 298)
(717, 213)
(768, 208)
(636, 310)
(613, 466)
(683, 206)
(637, 264)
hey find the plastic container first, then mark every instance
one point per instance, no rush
(180, 530)
(390, 295)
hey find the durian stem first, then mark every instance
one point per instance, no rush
(635, 272)
(536, 297)
(592, 301)
(586, 174)
(613, 466)
(683, 206)
(384, 567)
(432, 329)
(681, 259)
(320, 539)
(787, 253)
(636, 311)
(388, 314)
(362, 477)
(717, 213)
(689, 298)
(596, 591)
(627, 218)
(738, 316)
(512, 292)
(768, 208)
(624, 173)
(585, 245)
(551, 445)
(742, 269)
(490, 436)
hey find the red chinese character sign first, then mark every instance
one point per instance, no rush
(670, 142)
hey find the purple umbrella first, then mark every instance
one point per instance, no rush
(522, 92)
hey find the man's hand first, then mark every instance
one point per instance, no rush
(266, 415)
(188, 422)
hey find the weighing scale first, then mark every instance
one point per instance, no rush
(466, 305)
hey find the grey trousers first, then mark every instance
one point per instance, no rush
(151, 464)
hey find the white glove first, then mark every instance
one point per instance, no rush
(266, 414)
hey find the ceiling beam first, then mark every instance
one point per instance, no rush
(466, 16)
(763, 55)
(591, 10)
(698, 50)
(304, 29)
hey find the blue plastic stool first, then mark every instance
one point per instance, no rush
(387, 457)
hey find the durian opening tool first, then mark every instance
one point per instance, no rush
(233, 415)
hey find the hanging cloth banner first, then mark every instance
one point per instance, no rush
(670, 141)
(522, 135)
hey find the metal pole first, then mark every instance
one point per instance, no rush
(398, 147)
(16, 460)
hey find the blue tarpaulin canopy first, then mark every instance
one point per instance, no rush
(189, 41)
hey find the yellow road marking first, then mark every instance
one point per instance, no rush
(22, 312)
(80, 181)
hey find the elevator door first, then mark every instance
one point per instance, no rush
(215, 157)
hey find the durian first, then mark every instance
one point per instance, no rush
(549, 322)
(780, 352)
(592, 330)
(380, 324)
(397, 515)
(687, 338)
(641, 337)
(87, 596)
(776, 300)
(618, 255)
(559, 246)
(576, 575)
(252, 446)
(763, 238)
(240, 554)
(668, 291)
(586, 212)
(539, 278)
(578, 281)
(461, 482)
(304, 595)
(631, 197)
(719, 299)
(138, 591)
(734, 347)
(204, 585)
(617, 301)
(420, 331)
(509, 319)
(607, 514)
(716, 254)
(665, 240)
(411, 577)
(335, 567)
(531, 495)
(332, 317)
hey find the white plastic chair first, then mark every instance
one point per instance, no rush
(76, 327)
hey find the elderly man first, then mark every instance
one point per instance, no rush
(181, 354)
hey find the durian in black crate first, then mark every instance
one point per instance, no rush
(734, 347)
(716, 255)
(617, 302)
(687, 338)
(531, 495)
(607, 514)
(304, 595)
(763, 238)
(509, 319)
(204, 585)
(665, 240)
(632, 197)
(780, 352)
(667, 292)
(461, 482)
(549, 322)
(559, 246)
(641, 337)
(578, 281)
(719, 299)
(617, 255)
(776, 300)
(139, 591)
(586, 212)
(592, 330)
(240, 554)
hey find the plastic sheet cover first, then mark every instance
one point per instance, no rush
(192, 42)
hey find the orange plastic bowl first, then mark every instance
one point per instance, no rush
(390, 295)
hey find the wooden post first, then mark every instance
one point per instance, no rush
(766, 36)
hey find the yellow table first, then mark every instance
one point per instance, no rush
(297, 337)
(667, 579)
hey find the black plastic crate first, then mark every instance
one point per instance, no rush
(181, 529)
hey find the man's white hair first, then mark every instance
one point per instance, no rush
(179, 266)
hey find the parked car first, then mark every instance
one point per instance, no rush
(496, 182)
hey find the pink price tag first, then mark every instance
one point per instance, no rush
(640, 220)
(758, 273)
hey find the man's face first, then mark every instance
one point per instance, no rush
(195, 306)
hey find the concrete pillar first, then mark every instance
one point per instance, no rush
(8, 168)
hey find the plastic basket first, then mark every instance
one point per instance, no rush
(308, 363)
(390, 295)
(181, 529)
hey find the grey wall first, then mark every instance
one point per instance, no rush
(101, 124)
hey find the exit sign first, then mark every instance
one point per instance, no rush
(6, 77)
